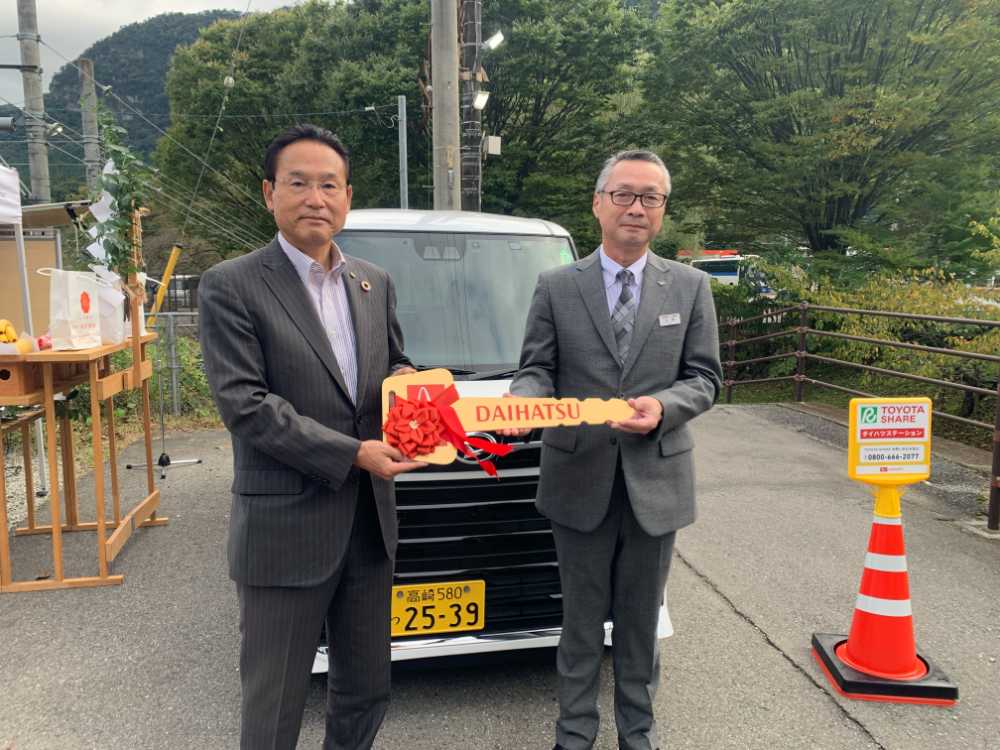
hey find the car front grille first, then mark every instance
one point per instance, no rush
(456, 523)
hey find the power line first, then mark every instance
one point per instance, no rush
(242, 239)
(108, 90)
(242, 236)
(180, 188)
(25, 140)
(265, 115)
(249, 115)
(222, 106)
(140, 163)
(26, 164)
(169, 191)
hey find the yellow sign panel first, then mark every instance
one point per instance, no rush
(890, 440)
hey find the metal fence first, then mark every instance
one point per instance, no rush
(171, 326)
(181, 295)
(802, 332)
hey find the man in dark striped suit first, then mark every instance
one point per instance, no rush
(297, 338)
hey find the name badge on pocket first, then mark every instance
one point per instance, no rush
(670, 319)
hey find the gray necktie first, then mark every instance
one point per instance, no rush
(623, 317)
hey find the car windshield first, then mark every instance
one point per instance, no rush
(462, 299)
(717, 266)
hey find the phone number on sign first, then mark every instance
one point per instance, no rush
(892, 455)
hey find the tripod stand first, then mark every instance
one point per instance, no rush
(164, 461)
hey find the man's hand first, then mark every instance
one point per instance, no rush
(382, 460)
(404, 370)
(647, 415)
(513, 431)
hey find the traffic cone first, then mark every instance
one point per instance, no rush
(879, 659)
(881, 639)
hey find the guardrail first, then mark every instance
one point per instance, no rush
(802, 355)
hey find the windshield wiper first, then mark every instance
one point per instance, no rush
(507, 372)
(452, 370)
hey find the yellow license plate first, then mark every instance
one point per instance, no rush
(449, 607)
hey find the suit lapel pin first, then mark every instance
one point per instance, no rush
(353, 275)
(366, 286)
(660, 283)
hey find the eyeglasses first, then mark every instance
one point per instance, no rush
(627, 198)
(298, 186)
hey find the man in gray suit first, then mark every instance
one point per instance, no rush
(621, 323)
(297, 338)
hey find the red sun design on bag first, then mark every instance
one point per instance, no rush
(85, 302)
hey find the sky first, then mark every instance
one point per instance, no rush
(71, 26)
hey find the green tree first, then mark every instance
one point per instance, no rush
(318, 62)
(808, 117)
(558, 87)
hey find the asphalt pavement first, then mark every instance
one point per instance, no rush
(775, 556)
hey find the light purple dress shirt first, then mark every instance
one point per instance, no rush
(329, 297)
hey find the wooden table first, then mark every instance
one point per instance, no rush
(61, 371)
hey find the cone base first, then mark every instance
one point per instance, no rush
(918, 670)
(934, 689)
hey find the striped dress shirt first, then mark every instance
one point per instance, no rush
(329, 296)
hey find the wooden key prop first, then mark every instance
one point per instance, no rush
(427, 420)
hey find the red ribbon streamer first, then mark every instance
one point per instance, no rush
(455, 433)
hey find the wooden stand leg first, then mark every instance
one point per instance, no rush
(50, 430)
(95, 427)
(29, 478)
(69, 473)
(147, 431)
(116, 499)
(4, 534)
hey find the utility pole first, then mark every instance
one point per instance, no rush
(404, 179)
(472, 128)
(444, 101)
(88, 114)
(34, 104)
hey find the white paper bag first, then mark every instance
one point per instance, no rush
(74, 309)
(112, 306)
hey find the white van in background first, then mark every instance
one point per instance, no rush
(730, 270)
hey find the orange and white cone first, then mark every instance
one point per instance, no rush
(878, 660)
(881, 641)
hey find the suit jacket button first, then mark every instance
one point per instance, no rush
(614, 441)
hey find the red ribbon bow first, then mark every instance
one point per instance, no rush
(454, 433)
(417, 427)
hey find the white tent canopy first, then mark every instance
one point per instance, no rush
(10, 196)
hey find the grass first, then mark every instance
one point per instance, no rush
(129, 431)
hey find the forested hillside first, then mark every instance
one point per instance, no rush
(134, 62)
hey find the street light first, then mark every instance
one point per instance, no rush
(474, 100)
(494, 41)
